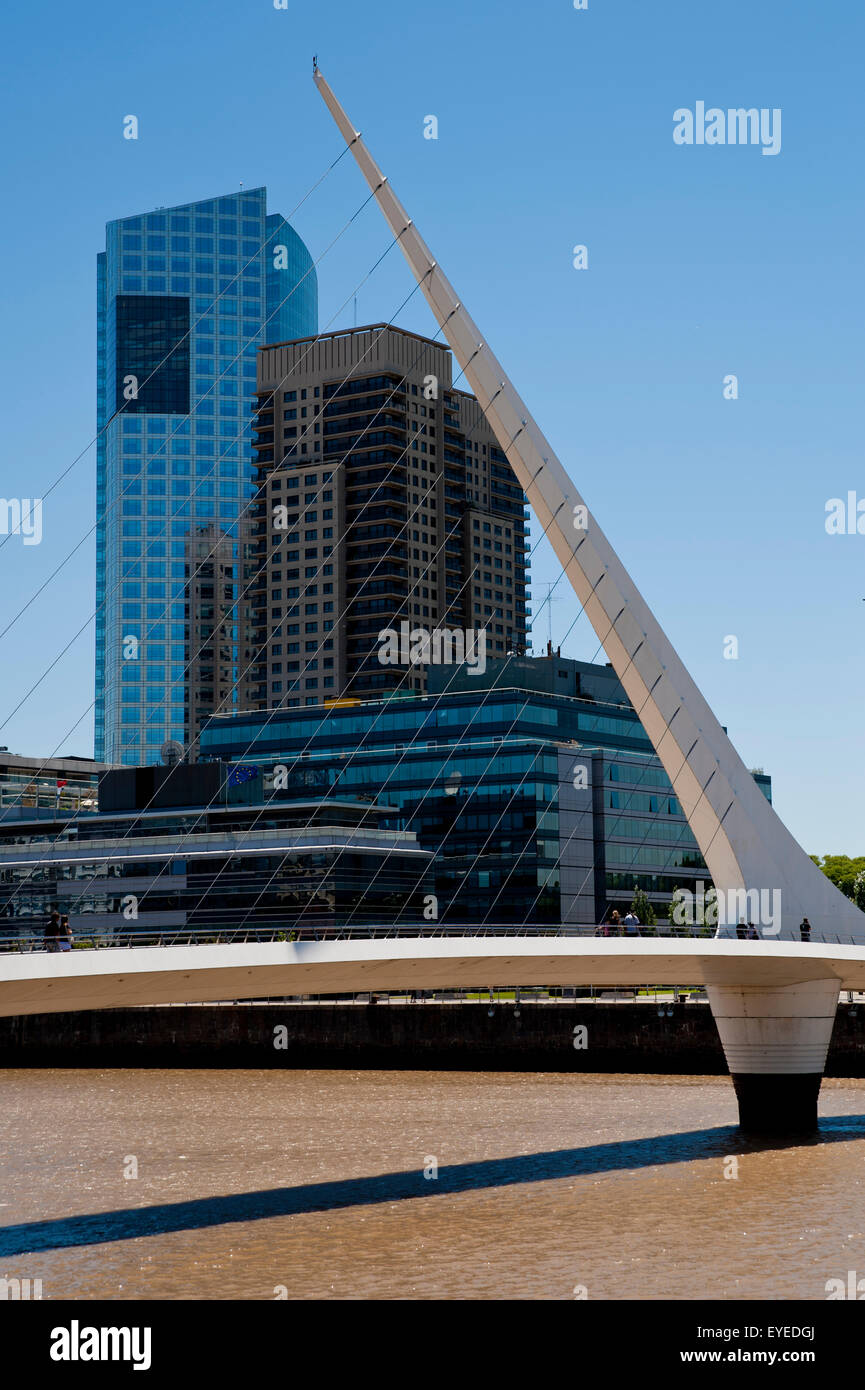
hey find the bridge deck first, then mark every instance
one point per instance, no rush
(42, 982)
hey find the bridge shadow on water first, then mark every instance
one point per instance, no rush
(126, 1224)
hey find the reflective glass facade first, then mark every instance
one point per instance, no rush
(204, 869)
(486, 779)
(152, 347)
(29, 785)
(185, 297)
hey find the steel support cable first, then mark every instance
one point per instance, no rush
(490, 691)
(401, 234)
(638, 784)
(348, 377)
(458, 378)
(597, 716)
(264, 809)
(268, 808)
(249, 503)
(356, 752)
(482, 851)
(253, 580)
(152, 540)
(205, 560)
(455, 748)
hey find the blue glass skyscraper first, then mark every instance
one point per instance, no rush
(185, 297)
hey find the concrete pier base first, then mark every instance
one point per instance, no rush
(775, 1042)
(777, 1102)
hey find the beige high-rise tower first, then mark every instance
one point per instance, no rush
(383, 498)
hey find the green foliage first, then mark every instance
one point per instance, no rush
(643, 908)
(843, 872)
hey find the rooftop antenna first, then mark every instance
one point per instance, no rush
(549, 601)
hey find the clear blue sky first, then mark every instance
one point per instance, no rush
(555, 128)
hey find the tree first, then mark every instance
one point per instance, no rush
(643, 909)
(859, 889)
(842, 870)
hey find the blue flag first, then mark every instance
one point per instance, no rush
(241, 772)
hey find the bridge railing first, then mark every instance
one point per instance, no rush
(35, 939)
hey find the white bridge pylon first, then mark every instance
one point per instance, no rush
(743, 842)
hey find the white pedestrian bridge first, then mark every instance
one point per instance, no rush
(774, 1001)
(37, 981)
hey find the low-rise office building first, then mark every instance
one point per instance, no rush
(199, 849)
(533, 785)
(47, 785)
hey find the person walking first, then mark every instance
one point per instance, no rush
(615, 923)
(632, 924)
(741, 930)
(65, 942)
(752, 932)
(805, 929)
(52, 932)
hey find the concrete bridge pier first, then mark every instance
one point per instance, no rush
(775, 1041)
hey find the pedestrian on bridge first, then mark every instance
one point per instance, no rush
(805, 929)
(52, 932)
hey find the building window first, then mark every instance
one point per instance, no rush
(152, 336)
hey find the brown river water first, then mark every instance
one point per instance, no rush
(310, 1184)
